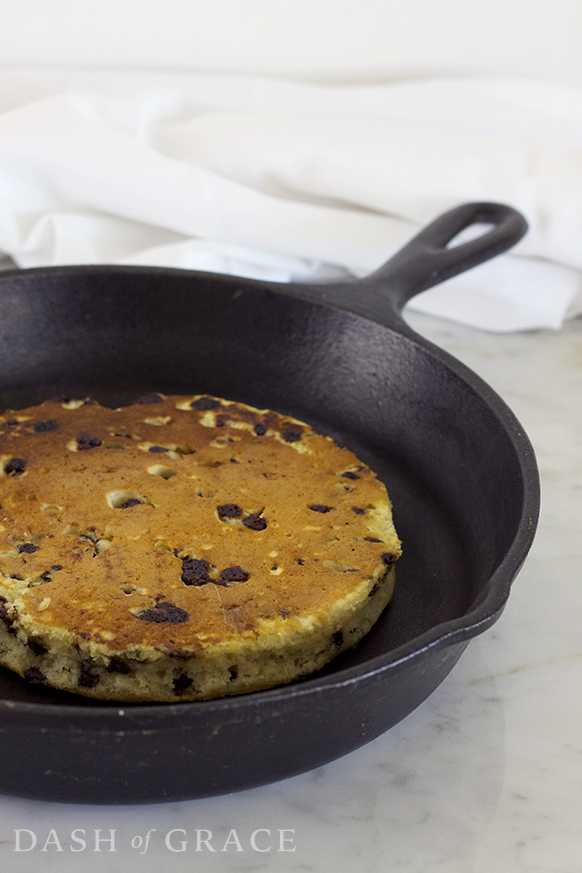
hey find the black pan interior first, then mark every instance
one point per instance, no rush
(448, 462)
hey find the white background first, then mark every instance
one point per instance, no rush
(330, 40)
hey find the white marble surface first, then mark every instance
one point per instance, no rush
(485, 776)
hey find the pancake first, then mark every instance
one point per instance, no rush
(183, 548)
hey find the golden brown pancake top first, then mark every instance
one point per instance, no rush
(179, 522)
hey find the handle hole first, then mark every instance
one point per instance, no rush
(468, 234)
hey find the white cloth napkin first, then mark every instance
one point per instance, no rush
(282, 181)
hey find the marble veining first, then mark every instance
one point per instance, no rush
(485, 775)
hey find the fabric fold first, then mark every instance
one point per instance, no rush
(286, 181)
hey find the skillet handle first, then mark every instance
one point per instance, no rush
(425, 260)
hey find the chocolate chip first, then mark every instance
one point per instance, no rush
(320, 507)
(180, 655)
(181, 684)
(7, 618)
(33, 674)
(157, 449)
(85, 441)
(300, 561)
(150, 398)
(131, 501)
(255, 522)
(165, 613)
(388, 557)
(45, 426)
(204, 403)
(118, 665)
(195, 572)
(372, 540)
(233, 574)
(56, 567)
(27, 548)
(36, 646)
(337, 639)
(260, 429)
(358, 510)
(17, 466)
(88, 677)
(291, 436)
(220, 423)
(349, 475)
(229, 510)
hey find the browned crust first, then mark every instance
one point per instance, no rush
(121, 566)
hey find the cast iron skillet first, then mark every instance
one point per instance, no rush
(460, 470)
